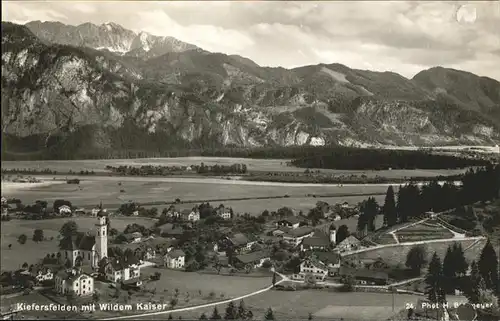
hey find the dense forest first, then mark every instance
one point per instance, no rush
(480, 185)
(380, 159)
(147, 170)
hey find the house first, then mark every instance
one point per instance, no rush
(336, 217)
(172, 211)
(190, 215)
(42, 274)
(136, 237)
(98, 210)
(241, 242)
(295, 236)
(311, 268)
(80, 211)
(292, 222)
(365, 276)
(330, 259)
(223, 212)
(122, 269)
(431, 215)
(64, 210)
(344, 205)
(175, 259)
(349, 244)
(3, 200)
(74, 281)
(318, 241)
(135, 213)
(254, 259)
(87, 248)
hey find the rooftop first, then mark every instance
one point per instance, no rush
(252, 257)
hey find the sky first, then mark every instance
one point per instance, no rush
(399, 36)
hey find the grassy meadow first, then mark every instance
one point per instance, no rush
(322, 304)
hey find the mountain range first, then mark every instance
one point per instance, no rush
(68, 90)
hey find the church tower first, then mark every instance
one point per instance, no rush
(101, 239)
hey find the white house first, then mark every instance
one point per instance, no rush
(87, 248)
(42, 274)
(75, 282)
(118, 270)
(292, 222)
(313, 268)
(98, 210)
(64, 210)
(175, 259)
(224, 213)
(190, 215)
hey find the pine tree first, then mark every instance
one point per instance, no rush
(269, 314)
(449, 271)
(488, 266)
(474, 285)
(242, 311)
(402, 204)
(416, 259)
(434, 279)
(215, 315)
(461, 264)
(231, 312)
(389, 209)
(170, 317)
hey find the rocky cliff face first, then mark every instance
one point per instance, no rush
(61, 93)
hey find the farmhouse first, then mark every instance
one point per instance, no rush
(74, 281)
(241, 242)
(330, 259)
(366, 277)
(315, 242)
(175, 259)
(313, 268)
(3, 200)
(89, 249)
(348, 244)
(190, 215)
(118, 270)
(254, 259)
(292, 222)
(295, 236)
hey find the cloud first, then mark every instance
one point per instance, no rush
(400, 36)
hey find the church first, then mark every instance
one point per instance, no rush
(86, 248)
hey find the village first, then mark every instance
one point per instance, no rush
(182, 240)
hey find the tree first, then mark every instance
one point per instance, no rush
(274, 279)
(269, 314)
(215, 315)
(203, 316)
(449, 271)
(461, 264)
(231, 312)
(78, 261)
(67, 264)
(416, 259)
(10, 246)
(38, 235)
(342, 233)
(389, 209)
(434, 280)
(170, 316)
(369, 210)
(310, 316)
(68, 229)
(95, 296)
(22, 239)
(242, 311)
(488, 266)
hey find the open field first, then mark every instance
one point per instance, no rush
(266, 165)
(422, 232)
(92, 190)
(32, 251)
(394, 255)
(323, 304)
